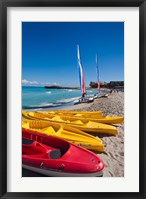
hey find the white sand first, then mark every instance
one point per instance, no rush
(113, 156)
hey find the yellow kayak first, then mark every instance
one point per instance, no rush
(74, 113)
(88, 126)
(88, 117)
(65, 132)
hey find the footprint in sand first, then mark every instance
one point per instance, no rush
(111, 174)
(121, 153)
(111, 154)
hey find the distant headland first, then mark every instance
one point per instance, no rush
(61, 87)
(93, 85)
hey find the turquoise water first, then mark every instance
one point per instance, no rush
(40, 97)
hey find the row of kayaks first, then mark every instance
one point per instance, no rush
(83, 117)
(74, 113)
(66, 128)
(84, 124)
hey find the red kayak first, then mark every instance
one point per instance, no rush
(52, 156)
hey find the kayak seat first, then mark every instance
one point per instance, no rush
(49, 130)
(31, 113)
(55, 154)
(78, 122)
(25, 124)
(27, 141)
(57, 118)
(92, 125)
(78, 115)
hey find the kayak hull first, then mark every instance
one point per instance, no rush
(91, 116)
(68, 133)
(74, 113)
(107, 119)
(61, 174)
(94, 118)
(56, 157)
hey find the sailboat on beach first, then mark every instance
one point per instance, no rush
(81, 73)
(99, 93)
(84, 98)
(97, 70)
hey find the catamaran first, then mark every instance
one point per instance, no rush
(81, 73)
(84, 97)
(99, 94)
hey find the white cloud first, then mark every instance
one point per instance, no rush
(33, 83)
(29, 83)
(24, 81)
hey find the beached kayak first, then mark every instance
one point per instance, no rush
(88, 126)
(51, 156)
(74, 113)
(108, 119)
(89, 117)
(68, 133)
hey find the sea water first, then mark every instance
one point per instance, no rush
(41, 98)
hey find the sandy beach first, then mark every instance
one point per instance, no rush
(113, 155)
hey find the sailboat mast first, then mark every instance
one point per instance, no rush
(97, 70)
(81, 73)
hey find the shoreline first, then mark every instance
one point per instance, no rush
(64, 104)
(113, 155)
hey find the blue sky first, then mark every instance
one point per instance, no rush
(49, 52)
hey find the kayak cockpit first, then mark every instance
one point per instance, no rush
(44, 148)
(31, 147)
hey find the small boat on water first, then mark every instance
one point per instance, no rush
(70, 134)
(52, 156)
(78, 123)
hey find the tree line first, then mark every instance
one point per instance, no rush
(111, 84)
